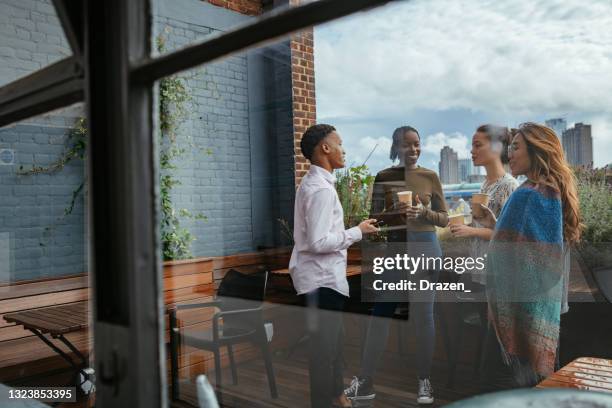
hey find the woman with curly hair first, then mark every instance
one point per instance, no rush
(526, 273)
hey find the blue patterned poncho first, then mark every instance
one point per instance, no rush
(524, 288)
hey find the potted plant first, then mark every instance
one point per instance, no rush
(354, 186)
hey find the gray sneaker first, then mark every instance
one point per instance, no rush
(361, 389)
(425, 395)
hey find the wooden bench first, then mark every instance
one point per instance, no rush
(584, 373)
(23, 355)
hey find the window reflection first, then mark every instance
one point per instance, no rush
(32, 38)
(44, 284)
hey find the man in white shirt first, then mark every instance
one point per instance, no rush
(318, 261)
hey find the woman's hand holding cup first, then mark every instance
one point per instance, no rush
(413, 211)
(461, 230)
(487, 219)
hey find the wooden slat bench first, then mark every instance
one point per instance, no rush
(584, 373)
(52, 324)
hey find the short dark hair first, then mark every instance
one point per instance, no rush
(313, 136)
(397, 136)
(500, 134)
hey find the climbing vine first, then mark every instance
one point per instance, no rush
(77, 140)
(173, 111)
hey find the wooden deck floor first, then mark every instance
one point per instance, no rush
(396, 383)
(584, 333)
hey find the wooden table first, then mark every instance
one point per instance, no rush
(584, 373)
(52, 323)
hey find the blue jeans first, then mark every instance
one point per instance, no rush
(421, 312)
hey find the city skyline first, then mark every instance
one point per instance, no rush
(559, 125)
(576, 141)
(461, 145)
(453, 170)
(448, 166)
(577, 144)
(525, 64)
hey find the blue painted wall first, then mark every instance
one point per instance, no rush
(240, 113)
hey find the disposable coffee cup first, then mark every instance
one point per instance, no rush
(405, 197)
(477, 199)
(456, 219)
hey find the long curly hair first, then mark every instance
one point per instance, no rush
(549, 168)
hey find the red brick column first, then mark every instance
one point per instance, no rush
(304, 105)
(249, 7)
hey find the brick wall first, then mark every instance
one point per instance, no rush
(217, 185)
(31, 38)
(303, 77)
(304, 103)
(42, 240)
(45, 242)
(249, 7)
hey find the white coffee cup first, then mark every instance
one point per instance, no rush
(405, 197)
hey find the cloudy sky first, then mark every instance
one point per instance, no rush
(447, 66)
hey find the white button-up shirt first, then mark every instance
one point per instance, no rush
(319, 255)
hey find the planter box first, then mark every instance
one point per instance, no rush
(188, 266)
(277, 258)
(354, 254)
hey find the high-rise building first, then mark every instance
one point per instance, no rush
(578, 145)
(559, 125)
(466, 169)
(476, 178)
(449, 166)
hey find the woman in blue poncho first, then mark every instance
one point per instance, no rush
(526, 283)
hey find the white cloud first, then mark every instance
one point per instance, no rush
(457, 141)
(601, 129)
(377, 148)
(468, 54)
(519, 60)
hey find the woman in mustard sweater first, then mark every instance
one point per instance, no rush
(411, 230)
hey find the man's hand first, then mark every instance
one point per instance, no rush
(488, 220)
(368, 226)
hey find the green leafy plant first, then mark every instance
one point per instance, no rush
(77, 139)
(173, 111)
(354, 186)
(77, 148)
(595, 195)
(380, 236)
(286, 230)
